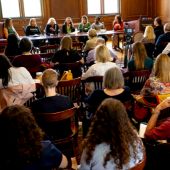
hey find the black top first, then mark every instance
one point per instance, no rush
(64, 29)
(158, 31)
(48, 29)
(32, 30)
(99, 95)
(50, 105)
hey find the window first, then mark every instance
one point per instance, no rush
(102, 6)
(20, 8)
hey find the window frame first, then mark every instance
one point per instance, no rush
(22, 10)
(102, 9)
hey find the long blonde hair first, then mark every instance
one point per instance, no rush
(162, 68)
(102, 54)
(139, 54)
(149, 33)
(66, 43)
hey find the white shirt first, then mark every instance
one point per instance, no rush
(98, 69)
(19, 76)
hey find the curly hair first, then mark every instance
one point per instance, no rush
(20, 143)
(111, 125)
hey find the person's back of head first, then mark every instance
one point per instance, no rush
(50, 78)
(167, 27)
(149, 33)
(139, 54)
(7, 23)
(111, 125)
(102, 54)
(162, 68)
(25, 45)
(92, 33)
(20, 138)
(113, 79)
(158, 21)
(12, 40)
(100, 41)
(4, 73)
(66, 43)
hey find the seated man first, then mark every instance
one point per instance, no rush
(159, 129)
(90, 59)
(52, 102)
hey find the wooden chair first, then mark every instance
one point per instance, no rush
(136, 79)
(68, 144)
(70, 88)
(49, 48)
(46, 57)
(140, 165)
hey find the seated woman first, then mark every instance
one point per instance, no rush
(52, 28)
(52, 102)
(32, 28)
(159, 83)
(103, 63)
(67, 55)
(117, 26)
(28, 60)
(158, 29)
(113, 83)
(149, 35)
(12, 48)
(23, 146)
(91, 43)
(159, 129)
(111, 143)
(16, 84)
(68, 26)
(140, 60)
(9, 28)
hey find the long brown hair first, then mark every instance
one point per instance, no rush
(111, 125)
(139, 54)
(21, 138)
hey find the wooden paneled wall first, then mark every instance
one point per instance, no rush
(129, 9)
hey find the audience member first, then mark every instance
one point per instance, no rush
(163, 40)
(149, 35)
(90, 59)
(159, 30)
(9, 28)
(91, 43)
(159, 129)
(111, 143)
(12, 48)
(68, 26)
(117, 26)
(30, 61)
(52, 102)
(159, 83)
(67, 54)
(16, 84)
(22, 143)
(103, 63)
(139, 60)
(32, 28)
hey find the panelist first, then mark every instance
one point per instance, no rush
(68, 26)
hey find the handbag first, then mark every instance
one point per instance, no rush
(67, 75)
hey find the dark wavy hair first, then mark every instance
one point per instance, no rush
(5, 64)
(111, 125)
(20, 143)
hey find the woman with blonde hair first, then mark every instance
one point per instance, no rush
(139, 60)
(32, 28)
(160, 82)
(149, 35)
(51, 27)
(68, 26)
(103, 62)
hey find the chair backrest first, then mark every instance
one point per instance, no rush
(1, 30)
(74, 67)
(49, 48)
(59, 116)
(140, 165)
(70, 88)
(46, 57)
(137, 79)
(138, 36)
